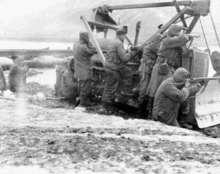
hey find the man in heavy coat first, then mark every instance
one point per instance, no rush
(148, 61)
(171, 97)
(115, 70)
(83, 51)
(168, 59)
(17, 76)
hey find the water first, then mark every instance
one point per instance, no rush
(49, 75)
(13, 44)
(47, 78)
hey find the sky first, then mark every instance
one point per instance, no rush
(56, 18)
(11, 8)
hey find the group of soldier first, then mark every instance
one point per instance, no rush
(163, 94)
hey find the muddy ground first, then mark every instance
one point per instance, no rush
(52, 137)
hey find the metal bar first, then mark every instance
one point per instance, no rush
(110, 27)
(148, 5)
(216, 34)
(104, 26)
(192, 24)
(129, 40)
(187, 17)
(178, 10)
(98, 49)
(138, 26)
(206, 42)
(166, 26)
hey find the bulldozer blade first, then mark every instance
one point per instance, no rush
(207, 110)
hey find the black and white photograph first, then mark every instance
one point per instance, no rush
(109, 87)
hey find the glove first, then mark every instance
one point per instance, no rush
(193, 89)
(202, 83)
(190, 37)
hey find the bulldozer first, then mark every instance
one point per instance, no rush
(204, 110)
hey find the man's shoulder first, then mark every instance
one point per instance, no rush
(167, 83)
(115, 42)
(79, 45)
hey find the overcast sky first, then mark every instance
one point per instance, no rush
(51, 18)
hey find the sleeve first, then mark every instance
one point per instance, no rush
(88, 51)
(175, 94)
(150, 52)
(177, 41)
(125, 57)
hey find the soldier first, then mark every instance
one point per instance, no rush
(168, 59)
(17, 76)
(171, 97)
(83, 50)
(115, 70)
(148, 61)
(2, 80)
(69, 85)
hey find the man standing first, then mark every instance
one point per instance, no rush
(115, 70)
(148, 61)
(17, 76)
(171, 97)
(83, 50)
(168, 59)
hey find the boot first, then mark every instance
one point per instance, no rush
(84, 102)
(107, 109)
(142, 108)
(150, 107)
(183, 123)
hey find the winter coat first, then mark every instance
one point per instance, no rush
(2, 80)
(82, 63)
(170, 47)
(150, 55)
(17, 78)
(167, 101)
(116, 55)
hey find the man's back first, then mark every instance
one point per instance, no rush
(168, 98)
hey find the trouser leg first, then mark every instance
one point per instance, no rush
(183, 111)
(143, 88)
(111, 85)
(150, 105)
(85, 88)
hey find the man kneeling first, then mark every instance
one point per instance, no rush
(171, 96)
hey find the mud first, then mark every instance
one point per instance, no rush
(52, 137)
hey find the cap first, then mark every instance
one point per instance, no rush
(174, 30)
(180, 75)
(121, 31)
(83, 34)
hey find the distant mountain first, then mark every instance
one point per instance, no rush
(62, 21)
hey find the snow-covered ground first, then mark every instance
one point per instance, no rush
(62, 140)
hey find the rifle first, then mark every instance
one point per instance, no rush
(203, 81)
